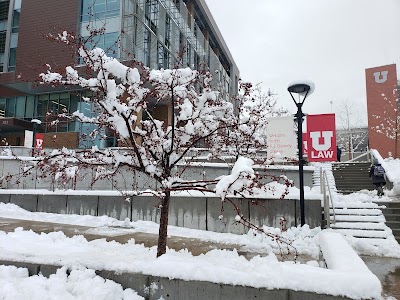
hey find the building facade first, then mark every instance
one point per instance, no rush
(159, 33)
(382, 88)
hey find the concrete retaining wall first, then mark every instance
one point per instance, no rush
(178, 289)
(190, 212)
(127, 179)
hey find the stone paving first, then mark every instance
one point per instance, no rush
(196, 246)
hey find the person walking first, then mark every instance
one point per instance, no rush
(338, 153)
(377, 172)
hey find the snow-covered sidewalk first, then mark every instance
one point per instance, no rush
(219, 266)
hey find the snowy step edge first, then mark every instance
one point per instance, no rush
(363, 233)
(360, 225)
(374, 219)
(359, 212)
(358, 206)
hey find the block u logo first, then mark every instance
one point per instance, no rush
(381, 77)
(327, 135)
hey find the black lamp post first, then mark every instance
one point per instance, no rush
(303, 89)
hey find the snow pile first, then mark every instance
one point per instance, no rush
(218, 266)
(339, 256)
(392, 168)
(83, 284)
(241, 175)
(303, 240)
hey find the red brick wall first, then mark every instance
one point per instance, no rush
(382, 93)
(39, 18)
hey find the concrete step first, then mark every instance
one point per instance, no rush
(389, 204)
(357, 187)
(364, 233)
(364, 173)
(352, 171)
(367, 219)
(351, 164)
(393, 224)
(359, 212)
(347, 180)
(344, 189)
(392, 217)
(358, 206)
(343, 177)
(359, 225)
(353, 179)
(346, 192)
(396, 231)
(391, 210)
(351, 175)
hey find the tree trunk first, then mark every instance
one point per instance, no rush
(163, 231)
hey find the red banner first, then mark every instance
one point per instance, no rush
(321, 137)
(39, 139)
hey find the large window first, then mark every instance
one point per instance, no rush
(151, 14)
(92, 10)
(167, 40)
(14, 36)
(2, 107)
(108, 42)
(147, 47)
(10, 107)
(163, 56)
(4, 6)
(2, 48)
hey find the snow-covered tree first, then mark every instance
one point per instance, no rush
(126, 98)
(350, 137)
(389, 120)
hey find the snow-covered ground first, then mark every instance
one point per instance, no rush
(82, 284)
(220, 266)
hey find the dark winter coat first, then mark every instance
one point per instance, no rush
(376, 179)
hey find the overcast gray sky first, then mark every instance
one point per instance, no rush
(330, 42)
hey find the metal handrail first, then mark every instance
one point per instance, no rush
(361, 155)
(324, 183)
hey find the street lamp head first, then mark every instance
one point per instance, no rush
(302, 87)
(299, 88)
(36, 121)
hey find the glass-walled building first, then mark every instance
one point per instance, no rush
(159, 33)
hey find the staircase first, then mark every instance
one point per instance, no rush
(392, 216)
(366, 221)
(352, 177)
(361, 221)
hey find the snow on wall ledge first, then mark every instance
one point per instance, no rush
(340, 257)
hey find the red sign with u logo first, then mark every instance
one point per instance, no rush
(321, 137)
(39, 139)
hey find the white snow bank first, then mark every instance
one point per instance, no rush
(218, 266)
(339, 256)
(83, 284)
(304, 239)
